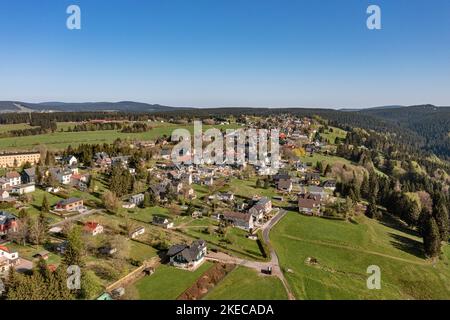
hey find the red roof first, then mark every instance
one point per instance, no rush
(51, 267)
(12, 174)
(90, 226)
(4, 249)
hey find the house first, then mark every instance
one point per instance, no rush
(79, 180)
(122, 160)
(8, 223)
(29, 175)
(312, 178)
(226, 196)
(4, 195)
(196, 214)
(208, 181)
(23, 188)
(14, 178)
(162, 222)
(137, 232)
(165, 154)
(61, 175)
(70, 160)
(137, 199)
(61, 247)
(71, 204)
(93, 228)
(284, 185)
(329, 184)
(239, 220)
(8, 260)
(318, 191)
(309, 204)
(107, 250)
(102, 159)
(4, 183)
(44, 254)
(186, 178)
(261, 208)
(301, 167)
(187, 257)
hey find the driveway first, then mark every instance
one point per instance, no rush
(24, 265)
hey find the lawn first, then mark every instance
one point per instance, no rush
(344, 251)
(247, 284)
(28, 251)
(34, 207)
(331, 136)
(140, 251)
(167, 283)
(240, 245)
(60, 140)
(248, 189)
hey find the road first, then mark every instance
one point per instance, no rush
(257, 265)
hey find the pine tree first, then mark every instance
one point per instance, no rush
(431, 237)
(74, 249)
(365, 188)
(440, 213)
(45, 205)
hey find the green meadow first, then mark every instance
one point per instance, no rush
(345, 250)
(60, 140)
(244, 283)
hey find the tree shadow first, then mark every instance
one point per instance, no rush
(407, 245)
(394, 223)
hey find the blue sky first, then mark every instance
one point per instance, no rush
(212, 53)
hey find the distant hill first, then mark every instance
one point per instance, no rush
(16, 106)
(429, 121)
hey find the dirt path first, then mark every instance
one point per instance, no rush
(357, 249)
(258, 265)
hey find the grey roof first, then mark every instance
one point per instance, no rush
(189, 253)
(5, 217)
(30, 171)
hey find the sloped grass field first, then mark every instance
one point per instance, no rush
(344, 250)
(167, 283)
(246, 284)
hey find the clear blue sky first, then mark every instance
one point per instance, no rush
(227, 52)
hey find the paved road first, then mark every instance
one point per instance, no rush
(276, 269)
(257, 265)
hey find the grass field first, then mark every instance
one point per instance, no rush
(240, 245)
(28, 252)
(19, 126)
(167, 283)
(60, 140)
(244, 283)
(331, 136)
(344, 251)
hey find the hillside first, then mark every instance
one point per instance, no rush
(430, 122)
(129, 106)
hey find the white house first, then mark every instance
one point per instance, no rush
(14, 178)
(8, 259)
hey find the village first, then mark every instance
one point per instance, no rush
(139, 210)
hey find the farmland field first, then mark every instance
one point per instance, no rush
(243, 283)
(60, 140)
(344, 250)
